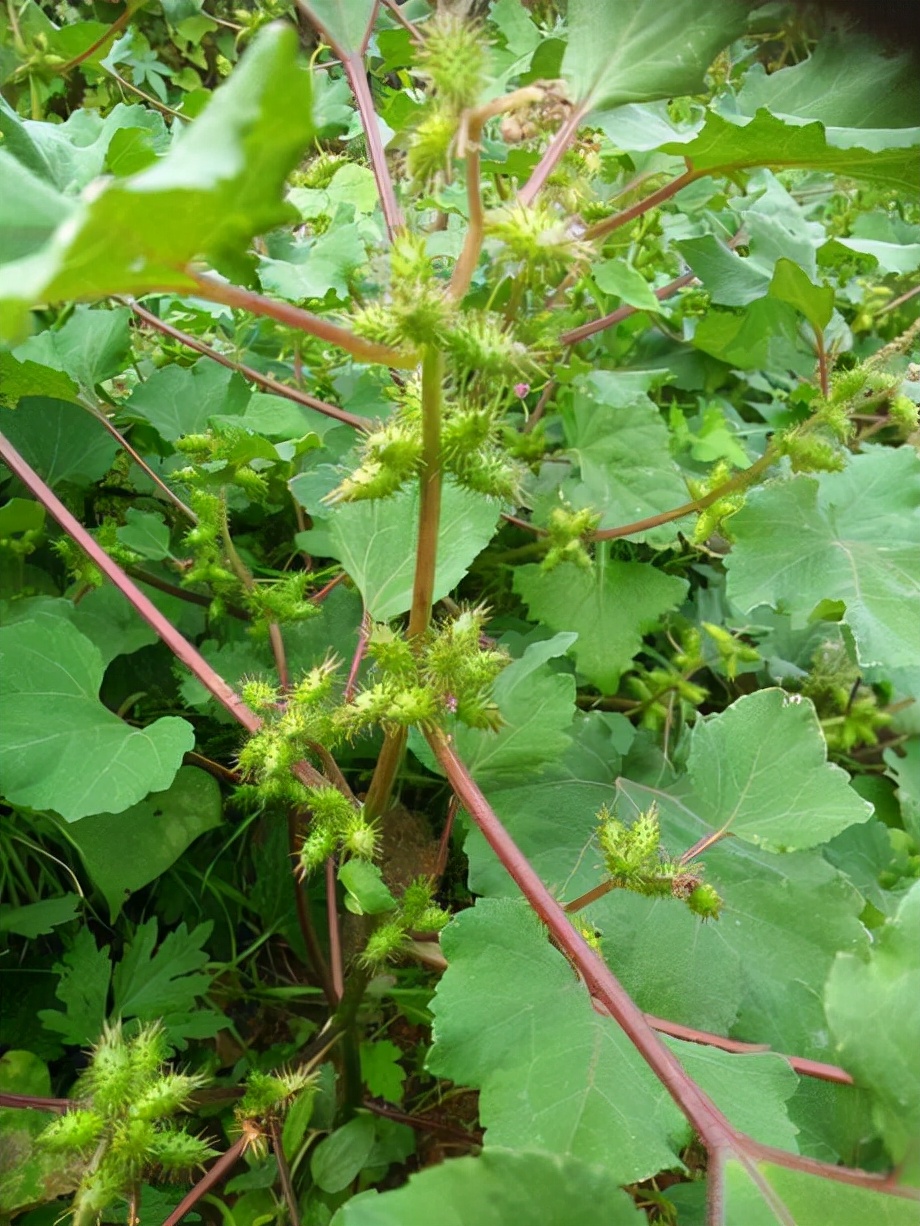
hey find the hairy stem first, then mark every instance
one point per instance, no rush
(305, 921)
(267, 382)
(335, 937)
(304, 321)
(429, 515)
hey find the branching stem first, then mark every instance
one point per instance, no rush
(267, 382)
(303, 321)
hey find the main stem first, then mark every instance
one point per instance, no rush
(426, 557)
(429, 512)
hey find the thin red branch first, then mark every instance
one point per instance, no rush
(221, 1168)
(301, 320)
(574, 335)
(552, 154)
(357, 79)
(118, 24)
(37, 1103)
(602, 228)
(179, 646)
(268, 382)
(807, 1068)
(142, 464)
(842, 1174)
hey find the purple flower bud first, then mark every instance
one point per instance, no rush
(521, 389)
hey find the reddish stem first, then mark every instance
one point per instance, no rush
(552, 154)
(267, 382)
(353, 64)
(602, 228)
(808, 1068)
(575, 335)
(218, 1171)
(299, 319)
(335, 936)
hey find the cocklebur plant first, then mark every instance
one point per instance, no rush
(124, 1122)
(521, 281)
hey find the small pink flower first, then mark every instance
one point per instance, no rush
(521, 389)
(450, 702)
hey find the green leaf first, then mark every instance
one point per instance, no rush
(625, 282)
(871, 1009)
(503, 1035)
(30, 1175)
(76, 151)
(61, 749)
(92, 346)
(30, 210)
(365, 891)
(38, 918)
(846, 82)
(381, 1071)
(106, 618)
(752, 1091)
(723, 147)
(346, 24)
(764, 336)
(146, 533)
(179, 400)
(21, 379)
(153, 981)
(124, 852)
(376, 543)
(316, 268)
(848, 537)
(641, 50)
(219, 185)
(730, 279)
(505, 1008)
(63, 442)
(790, 284)
(759, 771)
(777, 1196)
(339, 1158)
(609, 607)
(619, 441)
(83, 988)
(497, 1188)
